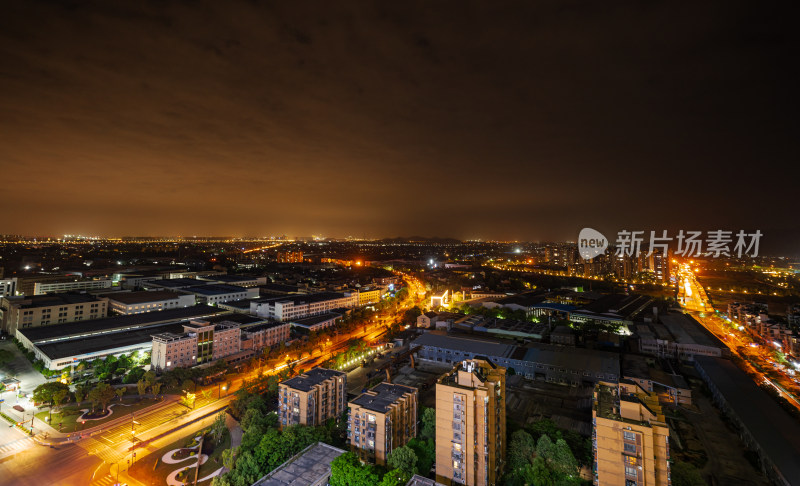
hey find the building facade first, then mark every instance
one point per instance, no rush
(312, 397)
(471, 424)
(41, 288)
(299, 306)
(382, 419)
(630, 437)
(201, 342)
(45, 310)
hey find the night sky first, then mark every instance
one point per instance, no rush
(508, 120)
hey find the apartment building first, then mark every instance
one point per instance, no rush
(312, 397)
(630, 437)
(45, 310)
(381, 419)
(41, 288)
(201, 342)
(147, 301)
(471, 424)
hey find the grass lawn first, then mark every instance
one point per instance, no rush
(151, 470)
(68, 415)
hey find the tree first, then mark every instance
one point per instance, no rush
(347, 470)
(395, 477)
(156, 387)
(428, 429)
(685, 474)
(521, 449)
(44, 393)
(141, 387)
(188, 385)
(150, 378)
(59, 396)
(404, 459)
(425, 451)
(103, 393)
(219, 427)
(120, 392)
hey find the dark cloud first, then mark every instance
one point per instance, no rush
(470, 119)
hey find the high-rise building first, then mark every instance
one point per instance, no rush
(382, 419)
(471, 424)
(630, 437)
(312, 397)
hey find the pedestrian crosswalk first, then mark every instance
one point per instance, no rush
(106, 480)
(16, 446)
(101, 450)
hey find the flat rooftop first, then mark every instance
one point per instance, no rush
(777, 434)
(300, 299)
(49, 300)
(144, 296)
(573, 358)
(175, 283)
(307, 468)
(313, 320)
(102, 342)
(470, 345)
(232, 279)
(117, 323)
(381, 397)
(215, 289)
(686, 330)
(311, 378)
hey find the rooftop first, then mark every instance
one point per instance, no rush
(309, 467)
(49, 300)
(117, 323)
(175, 283)
(464, 344)
(688, 331)
(143, 296)
(312, 320)
(215, 289)
(102, 342)
(310, 378)
(777, 433)
(381, 397)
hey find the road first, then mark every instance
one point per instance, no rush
(755, 356)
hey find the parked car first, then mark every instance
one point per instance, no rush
(18, 408)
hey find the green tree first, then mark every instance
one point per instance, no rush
(395, 477)
(150, 378)
(141, 387)
(428, 428)
(156, 388)
(347, 470)
(102, 394)
(425, 451)
(44, 393)
(219, 427)
(403, 458)
(120, 392)
(59, 396)
(521, 449)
